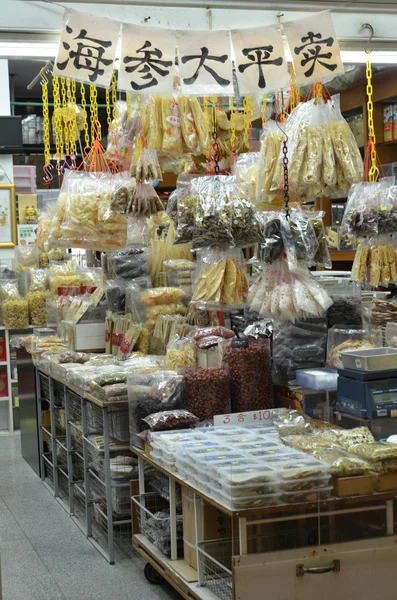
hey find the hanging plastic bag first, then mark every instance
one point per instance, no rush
(212, 212)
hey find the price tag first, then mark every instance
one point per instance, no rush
(253, 417)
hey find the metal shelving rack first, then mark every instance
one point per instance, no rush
(76, 470)
(7, 363)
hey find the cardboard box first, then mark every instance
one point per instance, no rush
(216, 525)
(388, 123)
(385, 482)
(361, 485)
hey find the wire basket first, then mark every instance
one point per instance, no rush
(121, 500)
(59, 394)
(153, 514)
(215, 562)
(62, 456)
(48, 469)
(76, 436)
(122, 528)
(60, 420)
(79, 506)
(94, 419)
(77, 468)
(63, 484)
(119, 424)
(75, 406)
(44, 383)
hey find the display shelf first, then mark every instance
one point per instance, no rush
(343, 255)
(73, 417)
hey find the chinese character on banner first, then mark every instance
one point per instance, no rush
(147, 59)
(314, 48)
(87, 48)
(205, 64)
(260, 60)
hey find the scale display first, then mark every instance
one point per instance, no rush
(368, 398)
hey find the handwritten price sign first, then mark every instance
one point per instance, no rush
(254, 417)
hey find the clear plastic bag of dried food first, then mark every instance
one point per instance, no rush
(121, 133)
(206, 392)
(348, 340)
(272, 245)
(123, 192)
(180, 353)
(269, 160)
(250, 373)
(149, 393)
(148, 166)
(375, 451)
(322, 256)
(246, 227)
(146, 201)
(347, 153)
(221, 279)
(300, 240)
(363, 207)
(246, 171)
(172, 206)
(129, 263)
(298, 345)
(115, 295)
(171, 419)
(387, 218)
(26, 257)
(290, 422)
(216, 330)
(213, 219)
(186, 206)
(342, 463)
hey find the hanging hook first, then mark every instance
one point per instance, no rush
(48, 177)
(371, 34)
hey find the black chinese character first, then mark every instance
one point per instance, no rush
(202, 58)
(314, 54)
(260, 56)
(151, 59)
(88, 56)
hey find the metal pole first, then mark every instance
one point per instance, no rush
(40, 423)
(88, 506)
(53, 435)
(108, 480)
(69, 449)
(174, 547)
(199, 529)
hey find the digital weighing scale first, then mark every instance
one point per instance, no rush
(367, 394)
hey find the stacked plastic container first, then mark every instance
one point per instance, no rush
(242, 468)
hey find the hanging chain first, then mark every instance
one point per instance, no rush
(216, 152)
(232, 123)
(46, 123)
(108, 107)
(76, 133)
(85, 117)
(129, 105)
(64, 122)
(247, 118)
(114, 95)
(374, 171)
(70, 118)
(95, 126)
(286, 185)
(57, 118)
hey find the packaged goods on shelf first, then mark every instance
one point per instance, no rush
(281, 293)
(323, 154)
(250, 375)
(166, 328)
(342, 463)
(206, 392)
(348, 340)
(180, 353)
(170, 420)
(381, 315)
(247, 173)
(370, 208)
(84, 218)
(26, 257)
(161, 249)
(180, 273)
(149, 393)
(221, 280)
(375, 262)
(129, 263)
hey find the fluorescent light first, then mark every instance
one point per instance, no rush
(34, 49)
(378, 57)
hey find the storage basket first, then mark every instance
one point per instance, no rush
(154, 520)
(215, 561)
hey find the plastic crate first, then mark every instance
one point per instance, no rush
(25, 179)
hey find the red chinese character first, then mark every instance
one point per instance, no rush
(226, 420)
(241, 418)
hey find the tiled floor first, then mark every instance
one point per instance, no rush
(44, 556)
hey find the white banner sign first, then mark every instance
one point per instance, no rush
(147, 59)
(314, 48)
(205, 65)
(87, 48)
(260, 60)
(254, 417)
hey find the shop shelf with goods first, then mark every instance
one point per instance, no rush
(84, 447)
(7, 407)
(226, 550)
